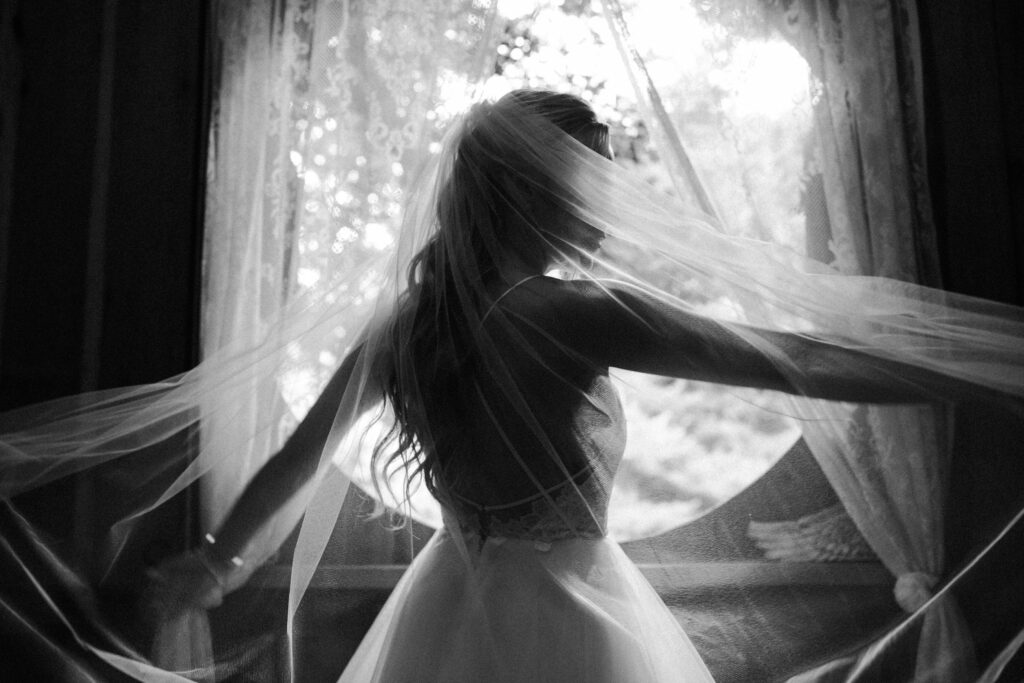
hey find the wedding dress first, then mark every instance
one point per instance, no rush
(525, 609)
(544, 597)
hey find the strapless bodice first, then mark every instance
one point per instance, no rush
(550, 505)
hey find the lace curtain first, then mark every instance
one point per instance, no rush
(865, 67)
(325, 111)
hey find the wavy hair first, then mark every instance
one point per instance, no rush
(432, 340)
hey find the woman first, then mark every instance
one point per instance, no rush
(497, 377)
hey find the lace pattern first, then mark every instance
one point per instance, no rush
(571, 510)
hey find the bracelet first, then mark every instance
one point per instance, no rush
(217, 568)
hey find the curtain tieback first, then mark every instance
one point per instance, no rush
(914, 589)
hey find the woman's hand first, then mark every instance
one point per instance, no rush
(180, 591)
(185, 581)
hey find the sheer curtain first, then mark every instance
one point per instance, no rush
(324, 113)
(868, 213)
(251, 207)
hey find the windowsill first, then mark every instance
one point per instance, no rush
(687, 575)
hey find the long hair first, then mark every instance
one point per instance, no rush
(432, 340)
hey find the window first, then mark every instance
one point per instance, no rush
(742, 104)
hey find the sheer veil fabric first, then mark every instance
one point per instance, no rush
(521, 569)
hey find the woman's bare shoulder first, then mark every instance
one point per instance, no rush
(615, 325)
(553, 297)
(593, 317)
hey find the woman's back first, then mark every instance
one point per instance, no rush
(538, 421)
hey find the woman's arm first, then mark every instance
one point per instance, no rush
(297, 461)
(620, 328)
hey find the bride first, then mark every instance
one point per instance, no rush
(493, 374)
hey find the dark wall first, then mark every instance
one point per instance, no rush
(973, 66)
(102, 189)
(101, 176)
(103, 106)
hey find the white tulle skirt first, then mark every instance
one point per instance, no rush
(517, 610)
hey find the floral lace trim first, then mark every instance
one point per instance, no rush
(571, 511)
